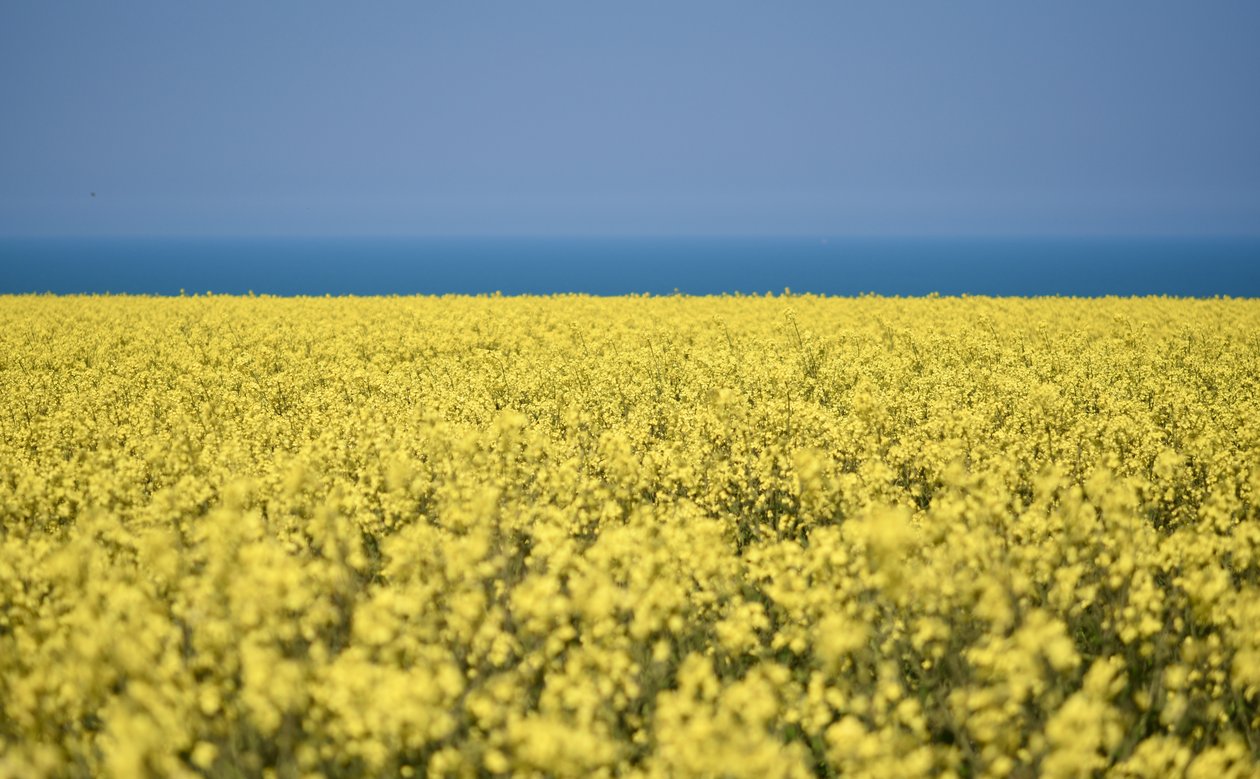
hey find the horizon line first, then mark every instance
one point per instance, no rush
(794, 235)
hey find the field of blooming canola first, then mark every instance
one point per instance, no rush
(780, 536)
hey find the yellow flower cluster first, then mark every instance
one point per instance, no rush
(778, 536)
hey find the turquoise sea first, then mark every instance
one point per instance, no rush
(612, 266)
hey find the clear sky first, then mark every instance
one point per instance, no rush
(643, 117)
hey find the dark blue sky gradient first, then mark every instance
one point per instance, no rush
(588, 118)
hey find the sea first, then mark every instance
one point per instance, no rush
(847, 266)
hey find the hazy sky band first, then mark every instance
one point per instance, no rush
(629, 118)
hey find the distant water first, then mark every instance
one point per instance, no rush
(611, 266)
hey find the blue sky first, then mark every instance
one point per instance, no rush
(585, 118)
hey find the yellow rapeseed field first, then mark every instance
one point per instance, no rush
(781, 536)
